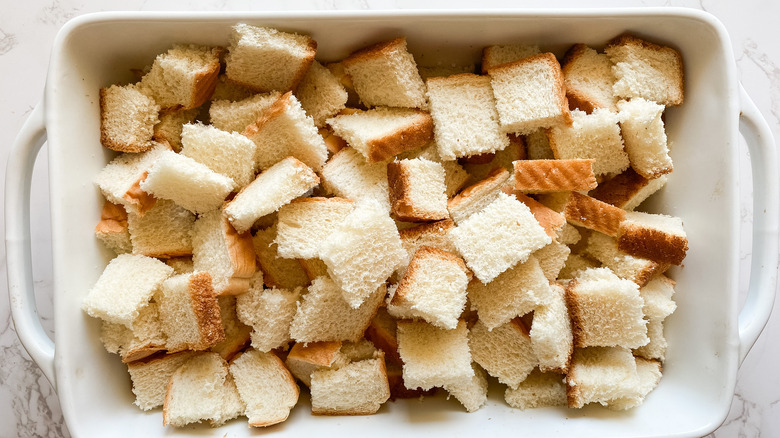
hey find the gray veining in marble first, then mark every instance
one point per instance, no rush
(7, 42)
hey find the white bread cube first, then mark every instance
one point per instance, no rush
(321, 94)
(505, 352)
(124, 287)
(471, 392)
(284, 129)
(119, 180)
(190, 313)
(227, 255)
(306, 357)
(552, 257)
(595, 136)
(163, 231)
(112, 229)
(183, 77)
(127, 119)
(269, 312)
(150, 378)
(646, 70)
(628, 189)
(278, 185)
(517, 291)
(171, 124)
(357, 388)
(657, 237)
(144, 339)
(657, 295)
(538, 145)
(502, 54)
(385, 74)
(643, 132)
(237, 334)
(236, 116)
(266, 387)
(464, 116)
(605, 310)
(503, 234)
(432, 356)
(516, 150)
(530, 94)
(305, 223)
(588, 78)
(324, 315)
(266, 59)
(417, 190)
(600, 375)
(649, 372)
(551, 335)
(226, 153)
(456, 176)
(537, 390)
(656, 348)
(433, 288)
(347, 174)
(575, 263)
(605, 249)
(477, 196)
(187, 182)
(278, 272)
(201, 389)
(362, 252)
(588, 212)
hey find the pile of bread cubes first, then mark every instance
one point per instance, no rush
(373, 229)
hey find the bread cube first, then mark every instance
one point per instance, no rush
(150, 378)
(321, 94)
(144, 339)
(455, 177)
(120, 180)
(306, 357)
(476, 197)
(127, 119)
(600, 375)
(537, 390)
(530, 94)
(503, 234)
(645, 137)
(305, 222)
(183, 77)
(539, 176)
(464, 116)
(163, 231)
(269, 312)
(266, 387)
(595, 136)
(237, 334)
(656, 348)
(266, 59)
(657, 295)
(605, 310)
(649, 372)
(501, 54)
(588, 212)
(552, 257)
(628, 189)
(433, 356)
(229, 154)
(657, 237)
(357, 388)
(169, 129)
(504, 352)
(385, 74)
(347, 174)
(551, 335)
(278, 272)
(433, 234)
(589, 79)
(516, 150)
(417, 190)
(227, 255)
(605, 249)
(576, 263)
(537, 145)
(190, 313)
(237, 115)
(471, 392)
(112, 228)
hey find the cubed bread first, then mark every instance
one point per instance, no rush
(464, 116)
(455, 177)
(649, 373)
(600, 375)
(119, 180)
(125, 286)
(656, 348)
(187, 182)
(627, 189)
(646, 70)
(190, 313)
(385, 74)
(325, 315)
(164, 231)
(585, 211)
(552, 221)
(348, 175)
(144, 339)
(551, 334)
(605, 310)
(230, 90)
(306, 357)
(657, 237)
(552, 257)
(517, 291)
(277, 271)
(169, 129)
(383, 333)
(595, 136)
(278, 185)
(645, 137)
(589, 79)
(433, 234)
(537, 390)
(183, 77)
(433, 288)
(237, 334)
(516, 150)
(504, 352)
(321, 94)
(657, 295)
(266, 59)
(150, 378)
(530, 94)
(227, 153)
(537, 145)
(266, 387)
(604, 249)
(284, 129)
(304, 223)
(417, 190)
(433, 356)
(127, 119)
(471, 392)
(236, 116)
(227, 255)
(362, 252)
(501, 235)
(357, 388)
(539, 176)
(476, 197)
(269, 312)
(112, 229)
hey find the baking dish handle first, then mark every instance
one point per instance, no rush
(18, 179)
(764, 264)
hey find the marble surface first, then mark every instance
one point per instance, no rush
(28, 405)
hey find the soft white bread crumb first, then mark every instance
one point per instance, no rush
(277, 186)
(645, 137)
(433, 356)
(456, 176)
(552, 257)
(588, 78)
(656, 348)
(201, 389)
(594, 136)
(187, 182)
(266, 59)
(504, 352)
(600, 375)
(628, 189)
(476, 197)
(170, 126)
(417, 190)
(189, 312)
(266, 387)
(658, 237)
(235, 116)
(347, 174)
(125, 285)
(127, 119)
(537, 390)
(237, 334)
(515, 292)
(646, 70)
(150, 378)
(229, 90)
(229, 154)
(385, 74)
(358, 388)
(498, 237)
(306, 357)
(472, 391)
(119, 180)
(530, 94)
(605, 310)
(112, 229)
(363, 251)
(269, 312)
(501, 54)
(306, 222)
(324, 315)
(145, 339)
(321, 93)
(183, 77)
(538, 145)
(277, 271)
(649, 372)
(163, 231)
(551, 335)
(464, 116)
(605, 249)
(657, 295)
(226, 254)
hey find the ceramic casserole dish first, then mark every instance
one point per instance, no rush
(708, 335)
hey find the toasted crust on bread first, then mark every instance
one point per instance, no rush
(539, 176)
(626, 189)
(406, 191)
(549, 219)
(584, 211)
(589, 79)
(136, 196)
(242, 258)
(113, 219)
(206, 309)
(656, 245)
(477, 196)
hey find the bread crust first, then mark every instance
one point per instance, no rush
(620, 189)
(206, 310)
(540, 176)
(656, 245)
(438, 227)
(106, 139)
(417, 135)
(377, 50)
(242, 257)
(593, 214)
(400, 185)
(549, 219)
(496, 176)
(204, 84)
(572, 303)
(417, 267)
(142, 200)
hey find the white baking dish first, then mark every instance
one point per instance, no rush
(708, 335)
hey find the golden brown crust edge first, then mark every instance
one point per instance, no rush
(652, 244)
(206, 310)
(419, 134)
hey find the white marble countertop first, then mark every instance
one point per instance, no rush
(28, 405)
